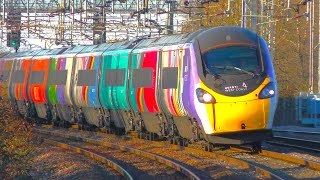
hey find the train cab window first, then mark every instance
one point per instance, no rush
(86, 77)
(169, 77)
(37, 77)
(4, 76)
(58, 77)
(18, 76)
(231, 60)
(142, 77)
(114, 77)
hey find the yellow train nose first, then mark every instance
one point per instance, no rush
(239, 116)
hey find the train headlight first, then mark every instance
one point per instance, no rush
(204, 97)
(268, 91)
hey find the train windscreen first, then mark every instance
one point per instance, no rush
(232, 60)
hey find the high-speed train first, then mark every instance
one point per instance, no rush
(215, 84)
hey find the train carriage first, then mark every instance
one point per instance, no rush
(86, 86)
(113, 84)
(19, 83)
(6, 63)
(38, 82)
(60, 89)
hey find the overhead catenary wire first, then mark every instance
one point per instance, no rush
(57, 18)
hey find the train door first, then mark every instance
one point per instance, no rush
(173, 68)
(6, 67)
(112, 76)
(85, 89)
(19, 85)
(61, 80)
(143, 77)
(37, 84)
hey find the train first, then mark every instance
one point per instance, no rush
(215, 85)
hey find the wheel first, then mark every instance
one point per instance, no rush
(256, 148)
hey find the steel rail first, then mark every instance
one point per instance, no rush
(284, 157)
(291, 145)
(95, 156)
(212, 155)
(296, 142)
(297, 131)
(231, 160)
(151, 156)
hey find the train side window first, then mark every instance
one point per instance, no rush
(37, 77)
(169, 77)
(114, 77)
(58, 77)
(18, 76)
(142, 77)
(4, 76)
(86, 78)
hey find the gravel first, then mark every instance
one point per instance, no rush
(50, 162)
(209, 168)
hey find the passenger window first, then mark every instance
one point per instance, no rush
(142, 77)
(114, 77)
(18, 76)
(37, 77)
(86, 78)
(4, 76)
(169, 77)
(58, 77)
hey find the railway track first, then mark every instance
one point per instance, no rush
(93, 155)
(304, 144)
(284, 166)
(282, 157)
(309, 141)
(140, 163)
(297, 131)
(244, 163)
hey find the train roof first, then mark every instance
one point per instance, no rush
(88, 49)
(3, 54)
(123, 45)
(74, 50)
(102, 47)
(218, 35)
(169, 40)
(226, 34)
(10, 55)
(27, 53)
(47, 52)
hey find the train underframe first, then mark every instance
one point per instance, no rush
(152, 126)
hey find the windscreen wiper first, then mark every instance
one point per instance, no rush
(216, 76)
(235, 68)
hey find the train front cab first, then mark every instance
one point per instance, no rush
(235, 103)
